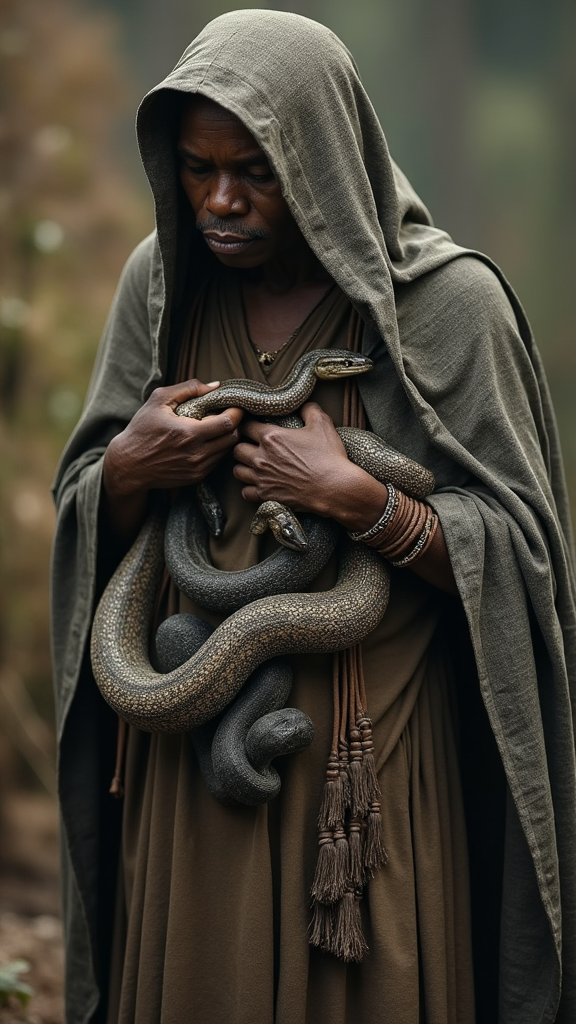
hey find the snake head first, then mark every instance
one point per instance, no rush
(288, 532)
(340, 363)
(283, 523)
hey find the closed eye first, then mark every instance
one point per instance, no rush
(259, 175)
(259, 171)
(197, 169)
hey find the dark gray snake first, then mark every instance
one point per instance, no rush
(235, 751)
(191, 693)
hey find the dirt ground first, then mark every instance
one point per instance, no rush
(30, 926)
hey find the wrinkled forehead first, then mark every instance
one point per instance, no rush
(204, 123)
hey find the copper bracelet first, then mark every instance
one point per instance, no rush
(422, 543)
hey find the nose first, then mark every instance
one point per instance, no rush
(226, 196)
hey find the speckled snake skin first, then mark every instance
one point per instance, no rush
(261, 627)
(200, 688)
(263, 400)
(186, 546)
(234, 752)
(188, 561)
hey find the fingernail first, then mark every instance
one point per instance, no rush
(213, 384)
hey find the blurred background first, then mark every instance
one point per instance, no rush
(478, 100)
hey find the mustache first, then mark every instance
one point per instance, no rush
(230, 227)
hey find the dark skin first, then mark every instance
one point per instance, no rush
(246, 222)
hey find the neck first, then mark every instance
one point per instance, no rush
(289, 270)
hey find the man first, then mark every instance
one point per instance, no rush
(283, 226)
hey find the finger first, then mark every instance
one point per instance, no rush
(244, 473)
(256, 430)
(312, 413)
(225, 422)
(174, 394)
(219, 444)
(244, 452)
(250, 494)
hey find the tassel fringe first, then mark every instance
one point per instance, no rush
(332, 807)
(359, 792)
(348, 942)
(322, 926)
(324, 886)
(375, 855)
(342, 862)
(357, 877)
(337, 928)
(350, 841)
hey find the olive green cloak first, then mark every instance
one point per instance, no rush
(457, 385)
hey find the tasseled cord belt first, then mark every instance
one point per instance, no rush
(350, 841)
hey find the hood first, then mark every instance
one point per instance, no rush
(296, 87)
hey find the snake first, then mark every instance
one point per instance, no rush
(187, 550)
(264, 400)
(278, 624)
(277, 404)
(260, 628)
(261, 399)
(235, 752)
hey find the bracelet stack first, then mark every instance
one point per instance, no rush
(404, 531)
(379, 527)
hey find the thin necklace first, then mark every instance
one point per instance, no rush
(266, 358)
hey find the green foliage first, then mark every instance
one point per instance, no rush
(11, 987)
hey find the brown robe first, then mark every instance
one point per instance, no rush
(213, 904)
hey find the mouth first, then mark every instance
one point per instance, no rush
(227, 243)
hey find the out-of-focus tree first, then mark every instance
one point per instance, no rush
(69, 216)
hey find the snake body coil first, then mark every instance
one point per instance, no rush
(262, 627)
(235, 753)
(262, 400)
(196, 691)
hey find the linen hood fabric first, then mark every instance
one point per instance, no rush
(457, 385)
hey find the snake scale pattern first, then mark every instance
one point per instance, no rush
(275, 625)
(264, 623)
(234, 752)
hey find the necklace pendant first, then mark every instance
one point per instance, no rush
(266, 358)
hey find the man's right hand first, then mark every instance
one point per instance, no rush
(161, 450)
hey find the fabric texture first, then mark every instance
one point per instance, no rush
(200, 882)
(457, 385)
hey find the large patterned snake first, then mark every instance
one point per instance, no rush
(270, 615)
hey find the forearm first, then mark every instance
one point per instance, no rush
(434, 565)
(122, 508)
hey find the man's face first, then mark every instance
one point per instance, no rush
(231, 187)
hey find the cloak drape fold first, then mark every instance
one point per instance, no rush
(457, 385)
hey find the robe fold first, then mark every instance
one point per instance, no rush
(457, 385)
(199, 882)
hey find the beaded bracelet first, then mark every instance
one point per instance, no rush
(380, 526)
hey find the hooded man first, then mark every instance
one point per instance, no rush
(284, 226)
